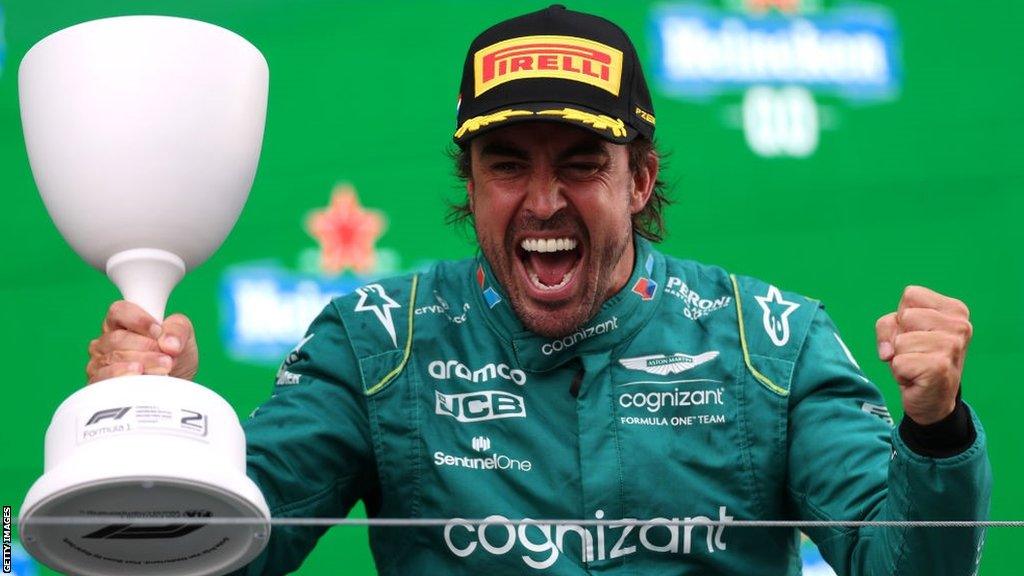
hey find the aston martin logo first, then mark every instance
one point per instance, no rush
(664, 365)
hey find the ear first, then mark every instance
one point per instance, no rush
(644, 178)
(470, 193)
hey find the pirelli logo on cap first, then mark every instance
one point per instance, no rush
(565, 57)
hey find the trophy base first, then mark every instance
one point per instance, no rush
(137, 455)
(119, 546)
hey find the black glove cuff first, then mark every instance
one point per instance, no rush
(948, 437)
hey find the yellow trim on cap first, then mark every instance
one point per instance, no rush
(477, 122)
(598, 121)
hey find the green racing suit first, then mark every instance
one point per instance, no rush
(692, 395)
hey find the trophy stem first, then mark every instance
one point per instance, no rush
(146, 277)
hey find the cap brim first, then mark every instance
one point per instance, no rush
(612, 129)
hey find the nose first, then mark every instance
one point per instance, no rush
(544, 194)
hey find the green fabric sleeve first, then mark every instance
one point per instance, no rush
(846, 462)
(308, 446)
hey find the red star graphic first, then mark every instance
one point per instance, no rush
(787, 6)
(346, 231)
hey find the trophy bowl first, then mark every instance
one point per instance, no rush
(143, 134)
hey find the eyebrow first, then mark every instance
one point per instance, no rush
(499, 148)
(586, 148)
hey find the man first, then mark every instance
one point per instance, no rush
(573, 372)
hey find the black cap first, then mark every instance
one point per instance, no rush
(555, 65)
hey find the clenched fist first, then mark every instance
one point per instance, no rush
(925, 342)
(133, 342)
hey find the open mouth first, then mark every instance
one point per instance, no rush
(550, 264)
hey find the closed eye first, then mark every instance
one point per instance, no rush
(506, 168)
(581, 170)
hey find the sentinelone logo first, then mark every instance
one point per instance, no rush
(492, 461)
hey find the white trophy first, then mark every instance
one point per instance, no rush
(144, 133)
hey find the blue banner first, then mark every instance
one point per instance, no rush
(3, 42)
(851, 52)
(266, 309)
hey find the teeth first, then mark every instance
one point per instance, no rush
(536, 281)
(548, 244)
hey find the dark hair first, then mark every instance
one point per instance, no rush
(648, 222)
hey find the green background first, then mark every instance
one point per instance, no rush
(927, 188)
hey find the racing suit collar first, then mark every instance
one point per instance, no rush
(619, 318)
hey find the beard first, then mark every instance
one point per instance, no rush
(594, 269)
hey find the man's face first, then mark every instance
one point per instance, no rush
(552, 206)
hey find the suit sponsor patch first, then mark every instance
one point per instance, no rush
(880, 411)
(373, 298)
(664, 365)
(776, 315)
(480, 406)
(695, 306)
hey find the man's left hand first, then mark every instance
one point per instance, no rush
(925, 343)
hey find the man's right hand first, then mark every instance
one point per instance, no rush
(133, 342)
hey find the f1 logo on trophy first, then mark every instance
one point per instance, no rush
(144, 133)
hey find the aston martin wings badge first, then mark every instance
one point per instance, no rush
(664, 365)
